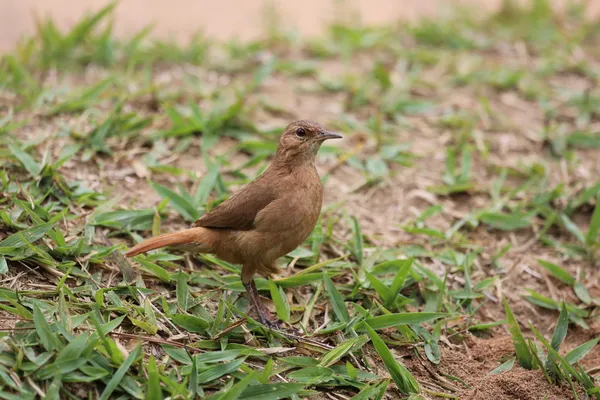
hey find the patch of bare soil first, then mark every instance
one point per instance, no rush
(7, 321)
(473, 361)
(517, 384)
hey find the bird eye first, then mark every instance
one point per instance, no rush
(300, 132)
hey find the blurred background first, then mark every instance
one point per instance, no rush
(224, 19)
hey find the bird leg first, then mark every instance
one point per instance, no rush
(258, 305)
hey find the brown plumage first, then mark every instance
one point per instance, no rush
(266, 219)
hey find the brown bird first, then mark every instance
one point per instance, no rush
(266, 219)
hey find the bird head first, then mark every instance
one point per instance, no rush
(302, 140)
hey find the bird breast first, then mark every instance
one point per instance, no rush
(299, 210)
(288, 220)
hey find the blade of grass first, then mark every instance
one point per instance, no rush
(271, 391)
(558, 272)
(43, 329)
(398, 281)
(153, 390)
(218, 370)
(186, 209)
(280, 299)
(121, 372)
(404, 380)
(506, 366)
(24, 237)
(521, 348)
(26, 160)
(393, 320)
(580, 351)
(190, 323)
(375, 391)
(592, 234)
(562, 325)
(3, 265)
(337, 301)
(560, 332)
(333, 355)
(182, 291)
(238, 389)
(358, 241)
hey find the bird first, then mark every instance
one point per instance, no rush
(265, 220)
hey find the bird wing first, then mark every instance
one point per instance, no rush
(240, 210)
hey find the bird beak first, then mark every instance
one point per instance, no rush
(328, 135)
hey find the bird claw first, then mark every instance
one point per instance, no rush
(277, 325)
(264, 318)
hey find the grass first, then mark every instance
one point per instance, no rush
(462, 208)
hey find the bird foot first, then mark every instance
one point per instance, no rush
(264, 317)
(263, 313)
(276, 324)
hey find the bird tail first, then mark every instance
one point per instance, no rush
(195, 237)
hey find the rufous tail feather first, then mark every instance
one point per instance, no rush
(188, 236)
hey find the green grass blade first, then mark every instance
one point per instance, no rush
(582, 292)
(73, 350)
(572, 227)
(24, 237)
(562, 325)
(274, 391)
(3, 265)
(382, 290)
(404, 380)
(337, 301)
(26, 160)
(126, 219)
(580, 351)
(216, 371)
(186, 209)
(312, 375)
(560, 332)
(154, 269)
(558, 272)
(83, 29)
(153, 390)
(398, 281)
(53, 392)
(238, 389)
(392, 320)
(190, 323)
(43, 329)
(281, 303)
(300, 279)
(335, 354)
(207, 184)
(505, 222)
(120, 373)
(592, 234)
(182, 291)
(521, 348)
(506, 366)
(375, 391)
(358, 241)
(568, 369)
